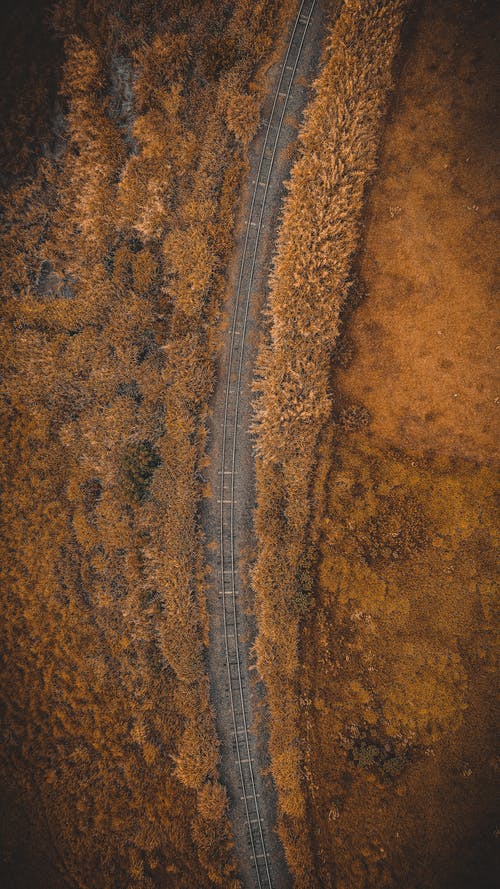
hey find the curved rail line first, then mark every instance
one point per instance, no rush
(228, 465)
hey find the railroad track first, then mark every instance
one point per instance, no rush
(258, 828)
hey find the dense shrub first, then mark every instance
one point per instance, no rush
(114, 252)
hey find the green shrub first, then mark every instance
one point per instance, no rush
(140, 461)
(376, 756)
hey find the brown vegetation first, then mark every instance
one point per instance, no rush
(401, 649)
(116, 238)
(310, 282)
(388, 698)
(397, 671)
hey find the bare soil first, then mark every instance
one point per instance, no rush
(427, 337)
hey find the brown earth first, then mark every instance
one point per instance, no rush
(399, 655)
(427, 338)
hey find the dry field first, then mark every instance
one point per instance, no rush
(125, 127)
(377, 472)
(401, 652)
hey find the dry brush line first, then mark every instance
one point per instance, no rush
(310, 281)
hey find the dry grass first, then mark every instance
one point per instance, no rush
(399, 652)
(397, 667)
(114, 255)
(310, 283)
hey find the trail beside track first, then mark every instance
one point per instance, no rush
(228, 513)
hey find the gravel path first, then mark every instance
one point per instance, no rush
(227, 515)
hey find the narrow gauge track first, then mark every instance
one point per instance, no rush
(259, 841)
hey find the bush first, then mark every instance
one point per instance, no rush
(377, 756)
(140, 461)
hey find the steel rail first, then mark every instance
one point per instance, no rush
(300, 19)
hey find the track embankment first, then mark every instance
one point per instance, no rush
(228, 512)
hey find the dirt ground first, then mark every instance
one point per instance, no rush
(399, 659)
(427, 337)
